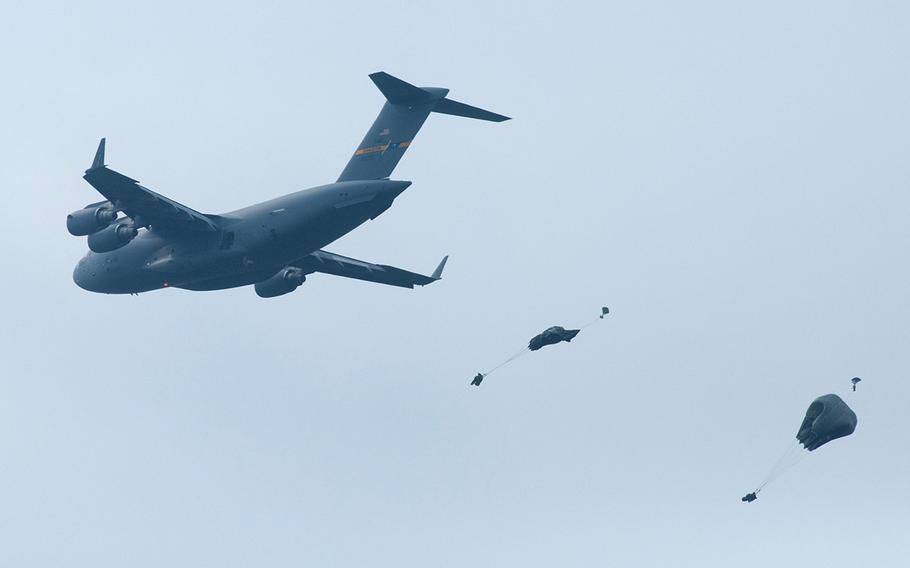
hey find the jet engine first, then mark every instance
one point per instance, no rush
(90, 220)
(285, 281)
(112, 237)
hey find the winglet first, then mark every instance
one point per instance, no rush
(98, 162)
(437, 274)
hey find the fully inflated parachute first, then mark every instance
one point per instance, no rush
(828, 418)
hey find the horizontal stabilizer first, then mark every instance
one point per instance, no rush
(397, 91)
(448, 106)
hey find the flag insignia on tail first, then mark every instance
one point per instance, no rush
(405, 110)
(382, 148)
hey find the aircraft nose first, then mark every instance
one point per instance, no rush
(82, 275)
(77, 276)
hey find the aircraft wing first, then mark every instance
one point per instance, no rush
(141, 204)
(330, 263)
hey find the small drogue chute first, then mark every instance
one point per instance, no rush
(827, 418)
(549, 336)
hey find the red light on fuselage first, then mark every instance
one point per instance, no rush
(166, 284)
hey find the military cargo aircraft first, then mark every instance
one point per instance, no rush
(140, 240)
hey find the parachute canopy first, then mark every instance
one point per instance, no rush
(551, 336)
(828, 418)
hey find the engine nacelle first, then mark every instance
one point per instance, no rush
(90, 220)
(285, 281)
(111, 238)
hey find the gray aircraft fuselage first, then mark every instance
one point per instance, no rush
(252, 245)
(141, 240)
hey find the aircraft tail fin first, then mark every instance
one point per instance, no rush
(406, 109)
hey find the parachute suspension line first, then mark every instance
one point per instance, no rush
(523, 351)
(779, 466)
(793, 458)
(597, 319)
(526, 350)
(590, 323)
(790, 458)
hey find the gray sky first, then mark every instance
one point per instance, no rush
(731, 180)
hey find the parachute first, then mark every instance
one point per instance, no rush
(552, 336)
(855, 380)
(827, 418)
(549, 336)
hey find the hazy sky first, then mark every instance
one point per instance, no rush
(731, 179)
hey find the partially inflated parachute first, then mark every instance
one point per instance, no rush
(549, 336)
